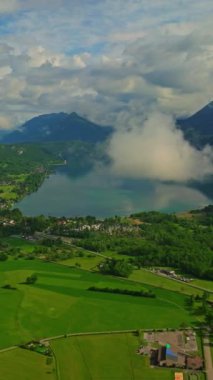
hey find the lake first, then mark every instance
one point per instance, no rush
(101, 194)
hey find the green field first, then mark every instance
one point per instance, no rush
(207, 285)
(8, 192)
(90, 260)
(16, 242)
(60, 303)
(92, 357)
(84, 262)
(25, 365)
(104, 357)
(147, 277)
(199, 376)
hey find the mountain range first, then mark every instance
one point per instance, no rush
(58, 127)
(198, 128)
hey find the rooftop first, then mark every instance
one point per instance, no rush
(178, 376)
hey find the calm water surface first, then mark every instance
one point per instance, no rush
(101, 194)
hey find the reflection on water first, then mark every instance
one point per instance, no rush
(101, 194)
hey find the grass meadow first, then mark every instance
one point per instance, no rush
(91, 357)
(60, 303)
(17, 242)
(150, 278)
(105, 357)
(25, 365)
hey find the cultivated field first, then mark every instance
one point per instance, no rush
(88, 357)
(17, 242)
(25, 365)
(105, 357)
(148, 277)
(60, 303)
(87, 262)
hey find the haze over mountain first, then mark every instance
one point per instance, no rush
(58, 127)
(159, 148)
(198, 128)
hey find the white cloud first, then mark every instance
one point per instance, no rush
(109, 60)
(5, 122)
(7, 6)
(5, 70)
(165, 196)
(157, 150)
(113, 61)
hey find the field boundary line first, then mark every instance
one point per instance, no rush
(130, 358)
(70, 335)
(8, 349)
(96, 333)
(83, 358)
(58, 375)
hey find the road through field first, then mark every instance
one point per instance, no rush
(8, 349)
(208, 358)
(181, 282)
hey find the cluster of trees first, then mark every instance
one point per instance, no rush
(164, 240)
(8, 287)
(205, 216)
(161, 240)
(31, 183)
(54, 252)
(135, 293)
(30, 280)
(3, 256)
(6, 250)
(187, 248)
(24, 159)
(22, 225)
(202, 305)
(115, 267)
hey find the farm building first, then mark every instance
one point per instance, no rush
(194, 363)
(177, 349)
(168, 357)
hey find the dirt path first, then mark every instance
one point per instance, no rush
(208, 358)
(8, 349)
(70, 335)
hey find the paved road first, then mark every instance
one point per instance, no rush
(208, 358)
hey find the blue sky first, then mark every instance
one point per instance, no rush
(108, 60)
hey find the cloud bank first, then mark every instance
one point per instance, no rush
(157, 150)
(8, 6)
(113, 61)
(104, 59)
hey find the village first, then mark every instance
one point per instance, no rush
(173, 349)
(179, 350)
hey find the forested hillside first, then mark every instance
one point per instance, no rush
(198, 128)
(23, 167)
(146, 239)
